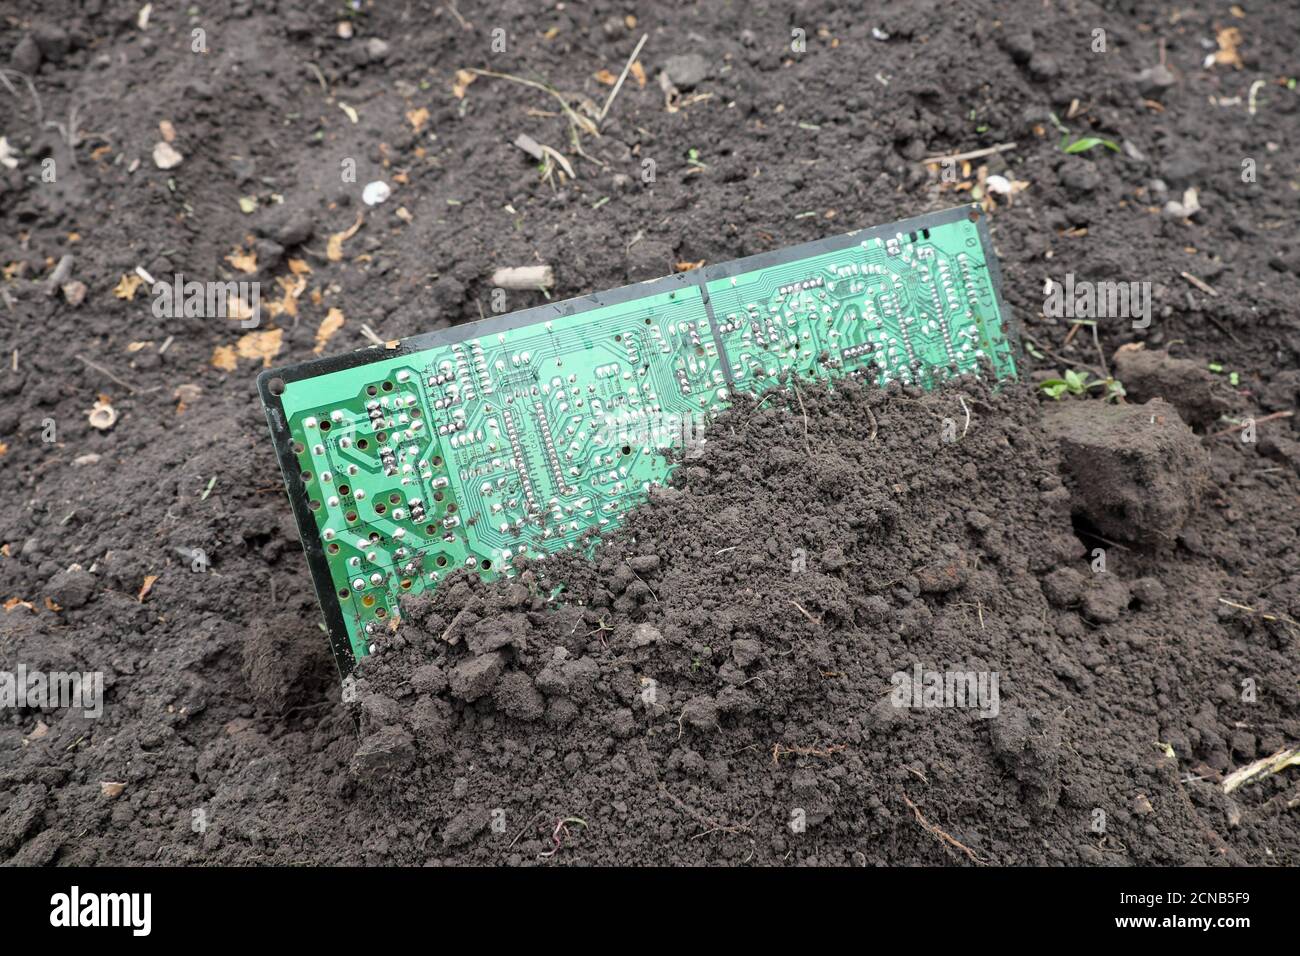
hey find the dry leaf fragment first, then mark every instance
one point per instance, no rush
(264, 345)
(351, 113)
(463, 79)
(334, 247)
(145, 588)
(299, 267)
(51, 605)
(167, 130)
(111, 789)
(638, 72)
(688, 266)
(184, 395)
(606, 77)
(332, 322)
(14, 602)
(243, 261)
(3, 448)
(223, 358)
(1228, 39)
(417, 118)
(292, 289)
(126, 286)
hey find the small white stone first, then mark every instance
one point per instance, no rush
(375, 193)
(165, 156)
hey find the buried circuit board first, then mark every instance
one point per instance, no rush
(538, 431)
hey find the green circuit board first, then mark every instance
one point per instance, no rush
(528, 434)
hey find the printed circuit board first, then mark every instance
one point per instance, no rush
(538, 431)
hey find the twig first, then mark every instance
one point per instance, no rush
(780, 750)
(973, 154)
(622, 76)
(464, 24)
(1199, 283)
(817, 622)
(320, 77)
(874, 428)
(99, 368)
(1251, 610)
(1257, 421)
(1064, 361)
(965, 428)
(1100, 353)
(582, 122)
(935, 831)
(31, 88)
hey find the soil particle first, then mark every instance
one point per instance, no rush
(1138, 471)
(476, 676)
(1105, 599)
(1028, 744)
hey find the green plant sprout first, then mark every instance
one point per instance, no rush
(1085, 143)
(1077, 384)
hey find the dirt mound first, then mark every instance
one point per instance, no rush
(656, 700)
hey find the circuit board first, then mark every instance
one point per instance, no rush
(538, 431)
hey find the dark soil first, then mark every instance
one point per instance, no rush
(715, 685)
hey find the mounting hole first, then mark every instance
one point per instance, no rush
(363, 443)
(626, 449)
(344, 489)
(394, 499)
(387, 386)
(333, 548)
(305, 476)
(343, 593)
(275, 386)
(487, 564)
(441, 561)
(299, 448)
(437, 461)
(325, 425)
(351, 516)
(371, 390)
(380, 508)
